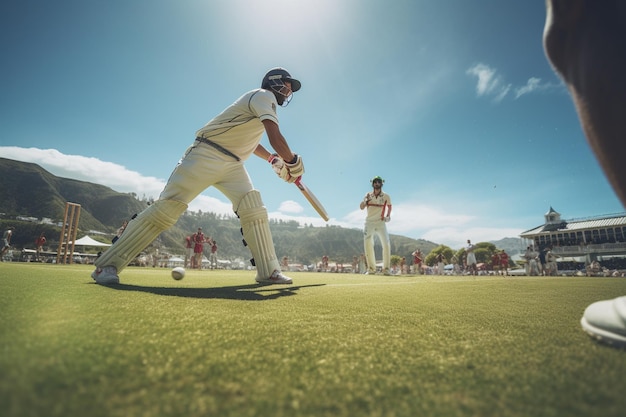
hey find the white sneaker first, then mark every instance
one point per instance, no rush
(106, 275)
(277, 277)
(606, 321)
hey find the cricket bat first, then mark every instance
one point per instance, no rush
(312, 199)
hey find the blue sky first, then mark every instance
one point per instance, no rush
(451, 101)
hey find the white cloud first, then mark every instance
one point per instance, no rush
(205, 204)
(531, 85)
(501, 93)
(491, 84)
(290, 206)
(534, 85)
(87, 169)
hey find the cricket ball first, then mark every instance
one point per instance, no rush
(178, 273)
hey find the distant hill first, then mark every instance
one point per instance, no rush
(29, 190)
(512, 245)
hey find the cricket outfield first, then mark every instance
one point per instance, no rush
(218, 344)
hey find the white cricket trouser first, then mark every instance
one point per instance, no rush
(376, 228)
(203, 167)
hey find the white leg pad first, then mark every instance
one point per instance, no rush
(368, 246)
(384, 241)
(140, 232)
(256, 232)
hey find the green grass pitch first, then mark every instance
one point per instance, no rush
(217, 344)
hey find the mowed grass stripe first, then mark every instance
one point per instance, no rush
(216, 343)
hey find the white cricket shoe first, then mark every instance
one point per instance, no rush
(606, 321)
(277, 277)
(106, 275)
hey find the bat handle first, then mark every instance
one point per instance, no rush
(298, 180)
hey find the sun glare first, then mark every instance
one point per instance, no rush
(288, 23)
(292, 15)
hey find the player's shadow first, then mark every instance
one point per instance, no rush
(250, 292)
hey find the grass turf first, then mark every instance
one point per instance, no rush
(215, 343)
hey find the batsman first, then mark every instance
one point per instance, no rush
(378, 206)
(216, 158)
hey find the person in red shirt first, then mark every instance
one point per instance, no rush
(495, 262)
(324, 263)
(189, 258)
(198, 240)
(417, 261)
(504, 262)
(39, 242)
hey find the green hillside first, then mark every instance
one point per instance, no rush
(31, 191)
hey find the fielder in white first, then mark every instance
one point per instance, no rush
(470, 260)
(378, 206)
(216, 158)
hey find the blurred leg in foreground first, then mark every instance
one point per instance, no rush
(585, 41)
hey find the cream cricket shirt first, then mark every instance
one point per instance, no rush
(239, 128)
(376, 205)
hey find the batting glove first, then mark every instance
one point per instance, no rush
(276, 162)
(290, 172)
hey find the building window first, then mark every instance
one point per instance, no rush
(572, 239)
(610, 234)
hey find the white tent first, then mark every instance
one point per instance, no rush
(175, 261)
(87, 241)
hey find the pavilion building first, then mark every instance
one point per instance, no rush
(601, 238)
